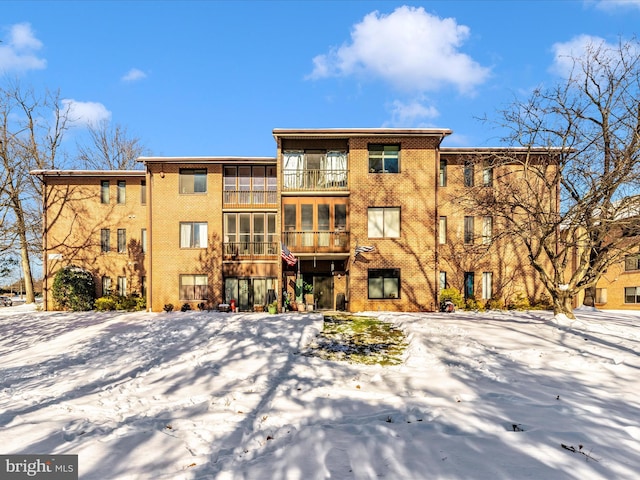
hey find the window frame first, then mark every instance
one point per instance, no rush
(122, 285)
(187, 181)
(632, 262)
(122, 240)
(377, 152)
(194, 241)
(106, 285)
(143, 192)
(387, 276)
(487, 285)
(469, 230)
(468, 174)
(386, 222)
(442, 175)
(628, 295)
(201, 289)
(105, 187)
(442, 230)
(121, 193)
(105, 240)
(487, 230)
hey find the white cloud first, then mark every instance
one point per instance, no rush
(133, 75)
(565, 53)
(610, 5)
(414, 114)
(18, 51)
(84, 114)
(409, 48)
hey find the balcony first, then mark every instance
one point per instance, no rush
(250, 198)
(314, 180)
(251, 250)
(317, 242)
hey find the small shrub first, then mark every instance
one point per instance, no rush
(519, 302)
(185, 307)
(168, 307)
(453, 295)
(470, 303)
(74, 289)
(105, 304)
(494, 304)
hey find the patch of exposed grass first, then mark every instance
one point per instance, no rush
(359, 339)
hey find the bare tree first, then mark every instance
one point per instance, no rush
(110, 147)
(31, 130)
(568, 192)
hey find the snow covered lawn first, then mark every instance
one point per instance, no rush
(230, 396)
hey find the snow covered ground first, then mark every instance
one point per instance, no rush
(229, 396)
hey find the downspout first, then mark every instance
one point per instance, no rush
(45, 230)
(149, 240)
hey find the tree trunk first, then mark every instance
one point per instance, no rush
(24, 253)
(562, 305)
(589, 296)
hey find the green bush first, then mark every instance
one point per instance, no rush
(494, 304)
(452, 294)
(470, 303)
(104, 304)
(519, 302)
(131, 303)
(74, 289)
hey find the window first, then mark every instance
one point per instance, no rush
(468, 174)
(468, 230)
(487, 230)
(443, 173)
(469, 280)
(601, 295)
(250, 233)
(105, 237)
(143, 192)
(384, 222)
(384, 158)
(193, 235)
(106, 286)
(122, 240)
(487, 285)
(143, 240)
(193, 287)
(384, 283)
(632, 262)
(193, 180)
(122, 189)
(487, 175)
(122, 286)
(632, 295)
(442, 231)
(104, 191)
(443, 280)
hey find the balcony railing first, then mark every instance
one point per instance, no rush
(296, 180)
(316, 242)
(250, 198)
(251, 250)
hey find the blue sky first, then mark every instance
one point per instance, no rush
(215, 78)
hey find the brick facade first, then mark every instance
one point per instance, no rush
(246, 266)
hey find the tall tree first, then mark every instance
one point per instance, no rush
(573, 206)
(110, 147)
(31, 130)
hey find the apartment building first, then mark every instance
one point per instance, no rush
(369, 218)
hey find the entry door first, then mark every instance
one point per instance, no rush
(243, 294)
(323, 292)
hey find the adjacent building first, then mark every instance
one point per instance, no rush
(359, 219)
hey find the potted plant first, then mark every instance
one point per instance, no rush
(308, 293)
(273, 307)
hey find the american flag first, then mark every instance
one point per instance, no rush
(287, 256)
(364, 249)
